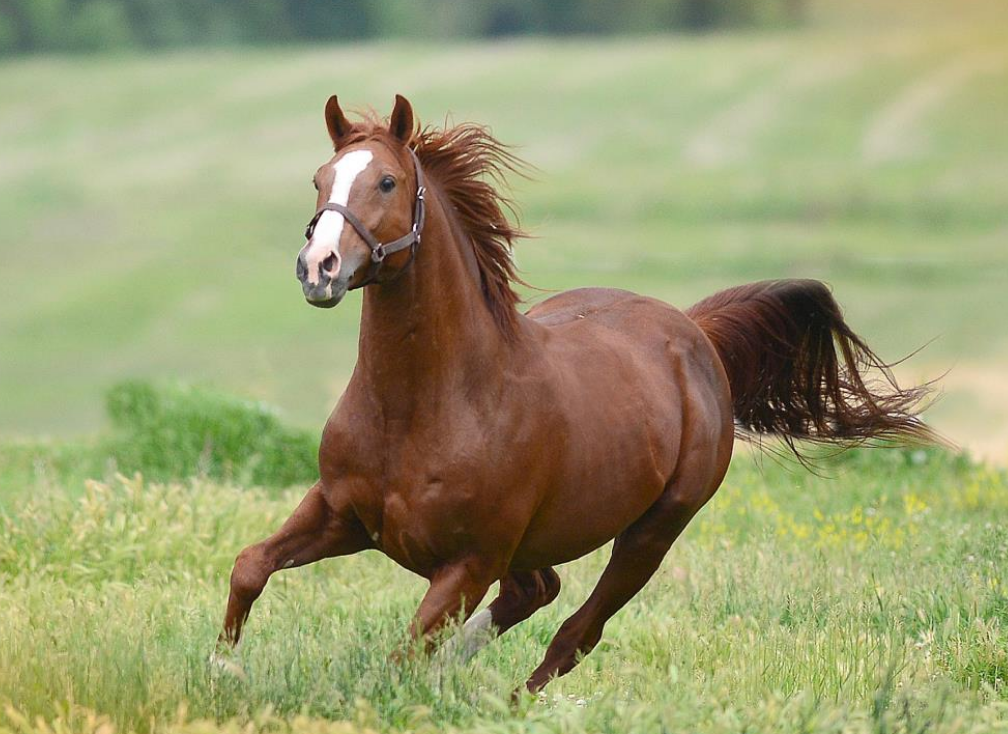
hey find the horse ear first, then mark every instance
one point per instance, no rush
(401, 121)
(339, 126)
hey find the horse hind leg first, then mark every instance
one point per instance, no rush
(315, 530)
(636, 555)
(522, 594)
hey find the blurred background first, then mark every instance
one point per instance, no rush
(156, 161)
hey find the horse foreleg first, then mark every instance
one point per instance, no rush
(522, 593)
(455, 591)
(636, 555)
(318, 528)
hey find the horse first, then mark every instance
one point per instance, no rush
(476, 444)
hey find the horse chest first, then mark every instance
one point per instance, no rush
(423, 524)
(420, 508)
(460, 477)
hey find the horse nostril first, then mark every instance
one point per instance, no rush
(301, 269)
(329, 264)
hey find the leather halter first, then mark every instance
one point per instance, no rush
(380, 251)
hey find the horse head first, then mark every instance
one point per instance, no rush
(373, 182)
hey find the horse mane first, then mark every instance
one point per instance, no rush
(471, 165)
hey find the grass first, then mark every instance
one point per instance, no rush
(153, 206)
(874, 601)
(177, 431)
(167, 431)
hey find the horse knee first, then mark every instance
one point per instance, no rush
(530, 591)
(250, 574)
(549, 586)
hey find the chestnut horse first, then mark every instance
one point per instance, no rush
(476, 444)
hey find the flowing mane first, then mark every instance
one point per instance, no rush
(470, 164)
(468, 161)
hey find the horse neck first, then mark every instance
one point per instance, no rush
(430, 329)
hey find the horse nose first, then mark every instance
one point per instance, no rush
(317, 276)
(329, 267)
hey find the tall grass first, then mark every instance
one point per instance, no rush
(876, 601)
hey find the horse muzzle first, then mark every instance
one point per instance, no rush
(326, 291)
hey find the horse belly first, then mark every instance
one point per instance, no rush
(569, 536)
(609, 483)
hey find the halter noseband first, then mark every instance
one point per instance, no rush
(380, 251)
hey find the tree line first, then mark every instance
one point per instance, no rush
(38, 26)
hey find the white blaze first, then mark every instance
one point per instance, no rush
(329, 228)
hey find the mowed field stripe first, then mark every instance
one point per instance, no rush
(896, 131)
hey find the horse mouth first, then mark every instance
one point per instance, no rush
(326, 304)
(324, 296)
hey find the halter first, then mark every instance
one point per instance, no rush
(380, 251)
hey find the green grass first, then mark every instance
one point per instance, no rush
(875, 601)
(152, 206)
(167, 431)
(183, 431)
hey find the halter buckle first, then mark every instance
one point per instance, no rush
(378, 254)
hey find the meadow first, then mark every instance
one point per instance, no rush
(152, 207)
(874, 599)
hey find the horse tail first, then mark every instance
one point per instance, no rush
(797, 371)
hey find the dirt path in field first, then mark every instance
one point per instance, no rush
(895, 131)
(972, 405)
(983, 430)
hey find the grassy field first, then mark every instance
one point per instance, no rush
(152, 207)
(876, 601)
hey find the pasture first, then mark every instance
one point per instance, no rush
(872, 601)
(152, 208)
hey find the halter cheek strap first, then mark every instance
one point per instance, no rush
(380, 251)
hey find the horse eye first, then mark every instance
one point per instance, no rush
(387, 184)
